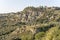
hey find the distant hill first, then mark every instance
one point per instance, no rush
(33, 23)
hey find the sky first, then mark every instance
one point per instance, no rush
(7, 6)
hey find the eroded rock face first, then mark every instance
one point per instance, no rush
(29, 14)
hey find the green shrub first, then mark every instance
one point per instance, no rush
(39, 35)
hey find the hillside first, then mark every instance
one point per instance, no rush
(33, 23)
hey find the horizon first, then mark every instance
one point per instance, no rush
(7, 6)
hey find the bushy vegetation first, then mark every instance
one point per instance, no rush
(33, 23)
